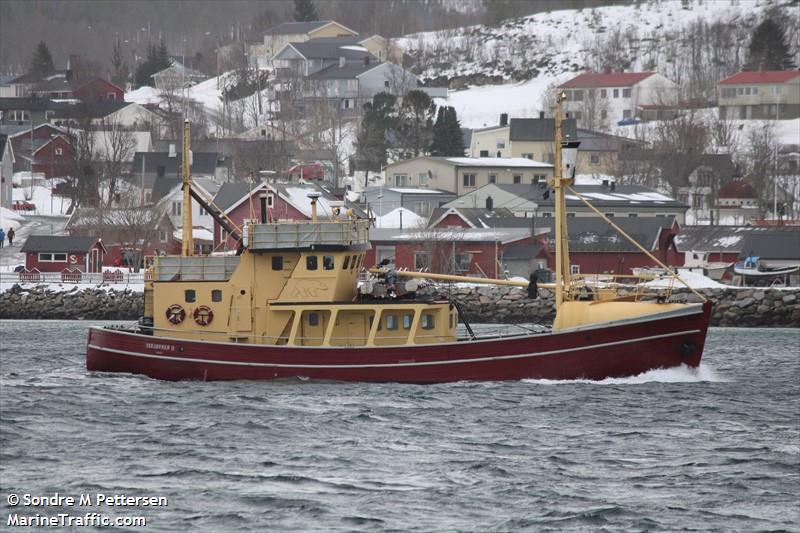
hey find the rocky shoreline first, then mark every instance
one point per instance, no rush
(495, 305)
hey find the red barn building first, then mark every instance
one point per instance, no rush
(54, 253)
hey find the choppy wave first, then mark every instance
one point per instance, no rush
(711, 449)
(678, 374)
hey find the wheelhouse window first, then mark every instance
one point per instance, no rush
(353, 263)
(277, 262)
(428, 321)
(311, 262)
(189, 295)
(327, 262)
(313, 319)
(216, 295)
(408, 319)
(346, 263)
(391, 322)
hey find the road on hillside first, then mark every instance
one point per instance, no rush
(30, 225)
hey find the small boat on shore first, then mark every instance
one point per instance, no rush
(288, 305)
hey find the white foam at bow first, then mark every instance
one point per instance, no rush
(678, 374)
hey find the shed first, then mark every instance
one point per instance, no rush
(54, 253)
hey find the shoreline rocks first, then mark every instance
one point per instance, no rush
(756, 307)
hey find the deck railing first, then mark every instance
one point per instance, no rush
(117, 277)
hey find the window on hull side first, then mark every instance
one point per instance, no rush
(311, 262)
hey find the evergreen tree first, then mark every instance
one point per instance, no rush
(305, 11)
(447, 137)
(157, 59)
(42, 61)
(415, 122)
(378, 120)
(768, 48)
(119, 67)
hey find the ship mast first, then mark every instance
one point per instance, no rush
(187, 248)
(562, 273)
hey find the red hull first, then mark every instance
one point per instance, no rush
(623, 349)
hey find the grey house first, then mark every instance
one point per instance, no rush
(423, 202)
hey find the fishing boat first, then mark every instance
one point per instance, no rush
(696, 260)
(753, 270)
(288, 305)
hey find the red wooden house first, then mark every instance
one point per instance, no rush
(285, 201)
(54, 253)
(99, 89)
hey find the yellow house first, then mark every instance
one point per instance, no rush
(300, 32)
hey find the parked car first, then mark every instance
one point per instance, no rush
(23, 205)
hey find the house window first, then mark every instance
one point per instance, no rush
(216, 295)
(423, 209)
(484, 153)
(492, 178)
(626, 113)
(59, 151)
(740, 91)
(311, 262)
(52, 258)
(626, 93)
(747, 91)
(755, 91)
(162, 235)
(594, 159)
(391, 321)
(501, 145)
(428, 322)
(577, 95)
(698, 201)
(327, 262)
(633, 215)
(422, 260)
(277, 262)
(469, 180)
(423, 179)
(386, 84)
(189, 295)
(609, 215)
(776, 90)
(19, 115)
(578, 115)
(111, 96)
(346, 103)
(616, 93)
(176, 208)
(548, 214)
(527, 156)
(574, 269)
(400, 180)
(383, 253)
(463, 261)
(603, 93)
(517, 178)
(539, 178)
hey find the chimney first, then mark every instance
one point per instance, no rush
(341, 61)
(489, 203)
(541, 114)
(172, 150)
(504, 119)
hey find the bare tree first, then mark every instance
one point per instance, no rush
(762, 163)
(115, 146)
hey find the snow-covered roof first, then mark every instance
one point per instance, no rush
(516, 162)
(198, 234)
(393, 218)
(502, 235)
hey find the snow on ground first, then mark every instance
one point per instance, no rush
(393, 219)
(208, 93)
(479, 107)
(41, 196)
(695, 279)
(9, 219)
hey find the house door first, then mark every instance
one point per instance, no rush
(94, 260)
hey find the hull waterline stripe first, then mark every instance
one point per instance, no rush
(388, 365)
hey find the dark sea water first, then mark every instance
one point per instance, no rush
(671, 450)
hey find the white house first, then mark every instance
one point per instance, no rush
(599, 99)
